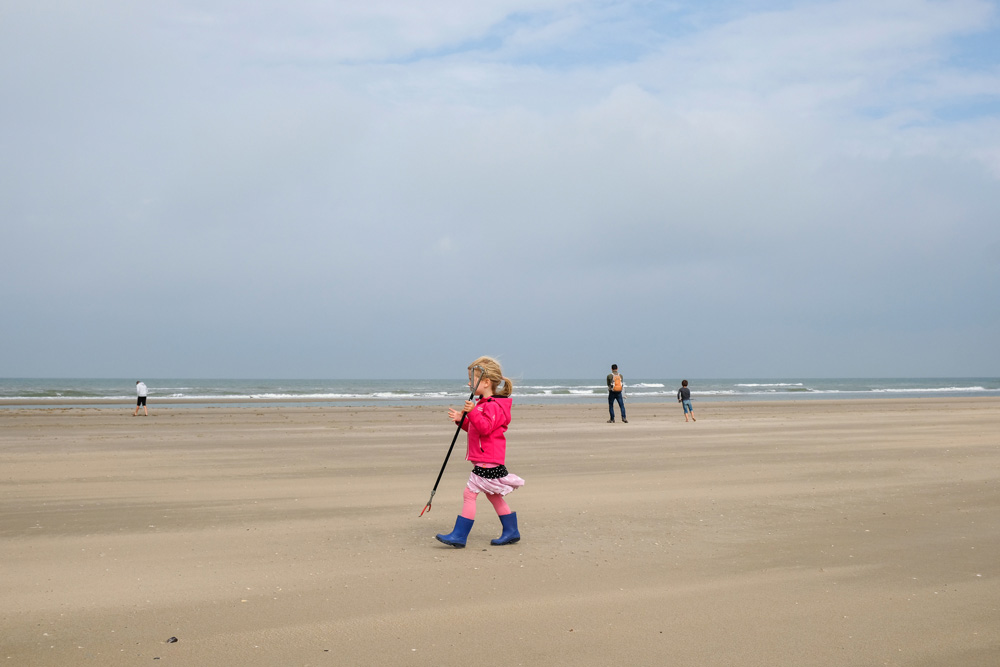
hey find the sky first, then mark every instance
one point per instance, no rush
(389, 189)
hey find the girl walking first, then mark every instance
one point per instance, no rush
(486, 421)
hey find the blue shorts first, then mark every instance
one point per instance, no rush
(687, 406)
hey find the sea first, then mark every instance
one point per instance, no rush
(51, 392)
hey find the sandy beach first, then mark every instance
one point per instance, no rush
(779, 533)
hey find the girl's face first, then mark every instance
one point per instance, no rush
(485, 387)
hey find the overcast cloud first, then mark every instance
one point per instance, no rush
(389, 188)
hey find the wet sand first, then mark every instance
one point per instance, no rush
(794, 533)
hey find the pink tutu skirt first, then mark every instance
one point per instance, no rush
(501, 485)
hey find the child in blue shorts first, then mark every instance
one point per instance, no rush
(684, 398)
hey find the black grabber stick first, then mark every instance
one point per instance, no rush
(427, 507)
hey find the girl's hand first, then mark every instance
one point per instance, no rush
(456, 416)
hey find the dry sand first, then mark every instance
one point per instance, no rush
(798, 533)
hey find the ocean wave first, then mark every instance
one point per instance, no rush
(544, 387)
(65, 398)
(924, 390)
(110, 391)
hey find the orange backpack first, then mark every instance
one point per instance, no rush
(617, 383)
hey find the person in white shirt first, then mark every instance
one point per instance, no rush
(141, 392)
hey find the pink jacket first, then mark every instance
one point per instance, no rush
(486, 425)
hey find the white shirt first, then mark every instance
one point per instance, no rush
(141, 389)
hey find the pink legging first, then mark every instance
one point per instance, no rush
(469, 504)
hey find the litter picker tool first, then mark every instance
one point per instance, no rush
(461, 421)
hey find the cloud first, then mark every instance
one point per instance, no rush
(772, 176)
(445, 245)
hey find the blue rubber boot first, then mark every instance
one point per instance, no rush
(460, 533)
(509, 534)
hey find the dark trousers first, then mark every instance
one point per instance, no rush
(612, 397)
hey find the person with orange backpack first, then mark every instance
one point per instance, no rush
(616, 391)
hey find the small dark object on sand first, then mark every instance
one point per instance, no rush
(172, 640)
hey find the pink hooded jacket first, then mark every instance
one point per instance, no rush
(486, 425)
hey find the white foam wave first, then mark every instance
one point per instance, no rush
(437, 391)
(556, 389)
(924, 390)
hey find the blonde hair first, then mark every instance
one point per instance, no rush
(490, 369)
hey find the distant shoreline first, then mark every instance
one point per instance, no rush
(42, 404)
(185, 392)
